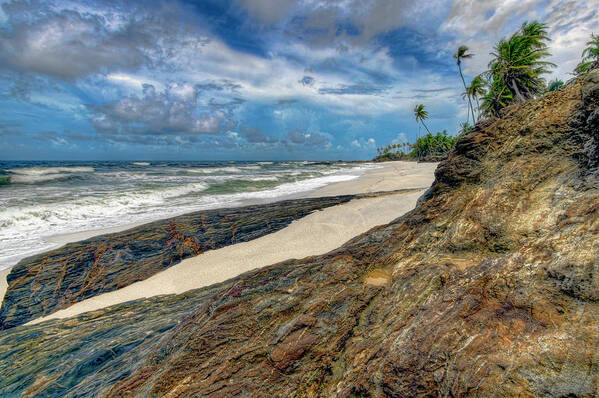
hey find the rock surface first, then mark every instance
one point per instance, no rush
(45, 283)
(490, 287)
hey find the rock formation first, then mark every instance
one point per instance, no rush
(490, 287)
(48, 282)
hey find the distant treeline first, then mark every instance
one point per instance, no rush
(431, 147)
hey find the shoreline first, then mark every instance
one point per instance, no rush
(368, 181)
(315, 234)
(328, 229)
(70, 237)
(48, 237)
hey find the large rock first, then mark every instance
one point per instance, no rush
(54, 280)
(487, 288)
(590, 87)
(585, 122)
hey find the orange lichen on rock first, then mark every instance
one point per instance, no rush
(377, 277)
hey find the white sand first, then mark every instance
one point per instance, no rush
(317, 233)
(3, 283)
(391, 176)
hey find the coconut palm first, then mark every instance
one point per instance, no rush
(590, 55)
(420, 114)
(517, 63)
(465, 127)
(555, 85)
(477, 90)
(498, 96)
(460, 55)
(536, 34)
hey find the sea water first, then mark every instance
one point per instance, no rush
(43, 199)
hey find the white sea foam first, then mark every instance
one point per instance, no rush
(22, 228)
(36, 178)
(115, 201)
(32, 171)
(282, 190)
(213, 170)
(141, 163)
(265, 178)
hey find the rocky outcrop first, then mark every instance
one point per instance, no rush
(43, 284)
(488, 288)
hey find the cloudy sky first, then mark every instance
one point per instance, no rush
(249, 79)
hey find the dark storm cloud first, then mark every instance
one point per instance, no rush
(325, 21)
(268, 11)
(173, 111)
(296, 137)
(69, 44)
(222, 85)
(286, 101)
(255, 136)
(308, 138)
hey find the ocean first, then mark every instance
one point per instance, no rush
(44, 199)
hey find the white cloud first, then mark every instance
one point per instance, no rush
(400, 139)
(174, 111)
(364, 144)
(570, 22)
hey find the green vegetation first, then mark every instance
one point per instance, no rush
(465, 127)
(460, 55)
(590, 55)
(555, 85)
(4, 180)
(477, 90)
(420, 114)
(516, 70)
(431, 147)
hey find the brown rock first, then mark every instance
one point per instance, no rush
(590, 87)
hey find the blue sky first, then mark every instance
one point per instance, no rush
(249, 79)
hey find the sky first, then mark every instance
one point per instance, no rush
(250, 79)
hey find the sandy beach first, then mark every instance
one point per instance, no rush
(317, 233)
(3, 284)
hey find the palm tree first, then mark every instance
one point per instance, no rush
(460, 55)
(475, 90)
(518, 62)
(465, 127)
(555, 85)
(420, 114)
(497, 97)
(590, 55)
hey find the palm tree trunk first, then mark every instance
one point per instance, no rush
(469, 102)
(518, 94)
(426, 127)
(477, 109)
(468, 116)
